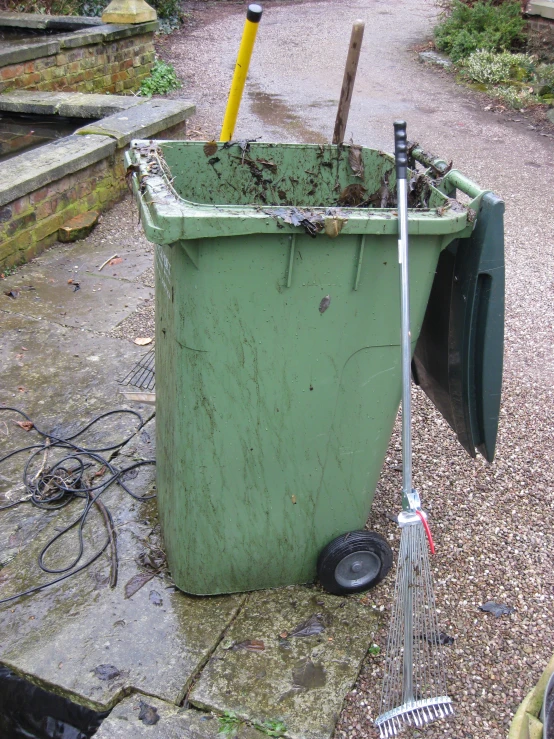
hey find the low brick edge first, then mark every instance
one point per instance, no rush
(29, 224)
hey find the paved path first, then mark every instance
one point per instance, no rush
(64, 352)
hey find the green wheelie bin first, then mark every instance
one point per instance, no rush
(278, 350)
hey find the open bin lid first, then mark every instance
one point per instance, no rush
(459, 354)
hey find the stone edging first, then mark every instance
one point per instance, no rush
(48, 186)
(131, 118)
(81, 32)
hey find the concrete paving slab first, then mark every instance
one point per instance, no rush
(61, 380)
(299, 681)
(70, 104)
(43, 289)
(173, 722)
(88, 256)
(87, 641)
(142, 121)
(33, 169)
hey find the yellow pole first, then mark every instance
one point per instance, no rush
(253, 15)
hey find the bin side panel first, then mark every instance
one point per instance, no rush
(274, 409)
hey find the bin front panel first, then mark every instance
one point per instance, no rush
(274, 410)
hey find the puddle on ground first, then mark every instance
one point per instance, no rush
(19, 132)
(273, 111)
(324, 104)
(307, 675)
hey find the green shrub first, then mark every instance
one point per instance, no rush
(161, 81)
(515, 98)
(490, 67)
(92, 8)
(44, 7)
(544, 75)
(481, 26)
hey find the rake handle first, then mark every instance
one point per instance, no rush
(401, 157)
(401, 149)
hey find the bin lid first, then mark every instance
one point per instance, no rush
(459, 354)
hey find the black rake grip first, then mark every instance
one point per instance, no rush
(401, 149)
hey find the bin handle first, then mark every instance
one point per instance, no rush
(452, 178)
(456, 179)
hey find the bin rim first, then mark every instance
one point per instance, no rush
(167, 217)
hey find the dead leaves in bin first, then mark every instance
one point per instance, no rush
(355, 161)
(210, 148)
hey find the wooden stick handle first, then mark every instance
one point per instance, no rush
(348, 81)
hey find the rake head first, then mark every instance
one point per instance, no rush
(414, 687)
(416, 713)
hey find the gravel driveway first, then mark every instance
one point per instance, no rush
(493, 524)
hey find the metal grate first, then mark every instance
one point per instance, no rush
(143, 374)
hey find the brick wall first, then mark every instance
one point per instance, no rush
(30, 224)
(540, 39)
(116, 67)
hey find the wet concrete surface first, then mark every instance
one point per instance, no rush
(88, 641)
(162, 720)
(64, 352)
(263, 672)
(66, 286)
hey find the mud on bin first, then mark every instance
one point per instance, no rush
(278, 370)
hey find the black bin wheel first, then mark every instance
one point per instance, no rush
(354, 562)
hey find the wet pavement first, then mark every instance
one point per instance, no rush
(63, 357)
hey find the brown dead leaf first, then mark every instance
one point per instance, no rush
(21, 389)
(352, 196)
(310, 627)
(355, 161)
(210, 148)
(26, 425)
(137, 582)
(250, 645)
(143, 341)
(268, 164)
(117, 260)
